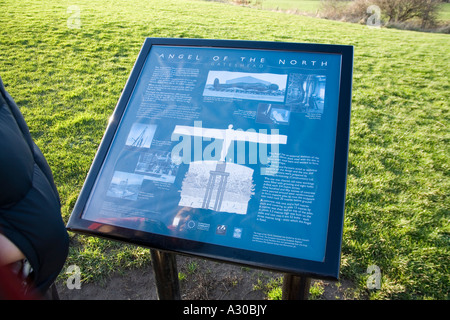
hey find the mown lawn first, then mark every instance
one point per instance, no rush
(309, 6)
(68, 80)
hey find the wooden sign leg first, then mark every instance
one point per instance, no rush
(166, 275)
(295, 287)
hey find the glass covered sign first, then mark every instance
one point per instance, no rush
(231, 150)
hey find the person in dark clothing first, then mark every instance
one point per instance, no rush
(32, 231)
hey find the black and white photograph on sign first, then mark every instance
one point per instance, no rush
(273, 113)
(125, 185)
(243, 85)
(306, 93)
(157, 166)
(141, 135)
(217, 185)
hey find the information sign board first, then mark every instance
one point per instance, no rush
(230, 150)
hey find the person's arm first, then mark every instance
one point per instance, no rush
(9, 253)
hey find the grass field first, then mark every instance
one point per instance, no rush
(309, 6)
(68, 80)
(445, 12)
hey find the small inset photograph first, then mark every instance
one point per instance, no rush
(306, 93)
(273, 113)
(219, 186)
(244, 85)
(141, 135)
(157, 166)
(125, 185)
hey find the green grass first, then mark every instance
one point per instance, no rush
(445, 12)
(309, 6)
(67, 82)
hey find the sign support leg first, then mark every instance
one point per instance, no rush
(295, 287)
(166, 275)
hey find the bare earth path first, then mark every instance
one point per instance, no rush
(203, 280)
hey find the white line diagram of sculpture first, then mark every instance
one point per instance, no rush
(217, 184)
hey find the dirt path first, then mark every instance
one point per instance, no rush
(201, 280)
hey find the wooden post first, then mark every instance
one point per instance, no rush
(166, 275)
(295, 287)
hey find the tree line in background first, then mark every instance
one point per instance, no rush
(420, 14)
(405, 14)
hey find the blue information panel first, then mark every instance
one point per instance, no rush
(231, 150)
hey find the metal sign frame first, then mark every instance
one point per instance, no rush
(328, 267)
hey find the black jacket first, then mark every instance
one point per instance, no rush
(30, 211)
